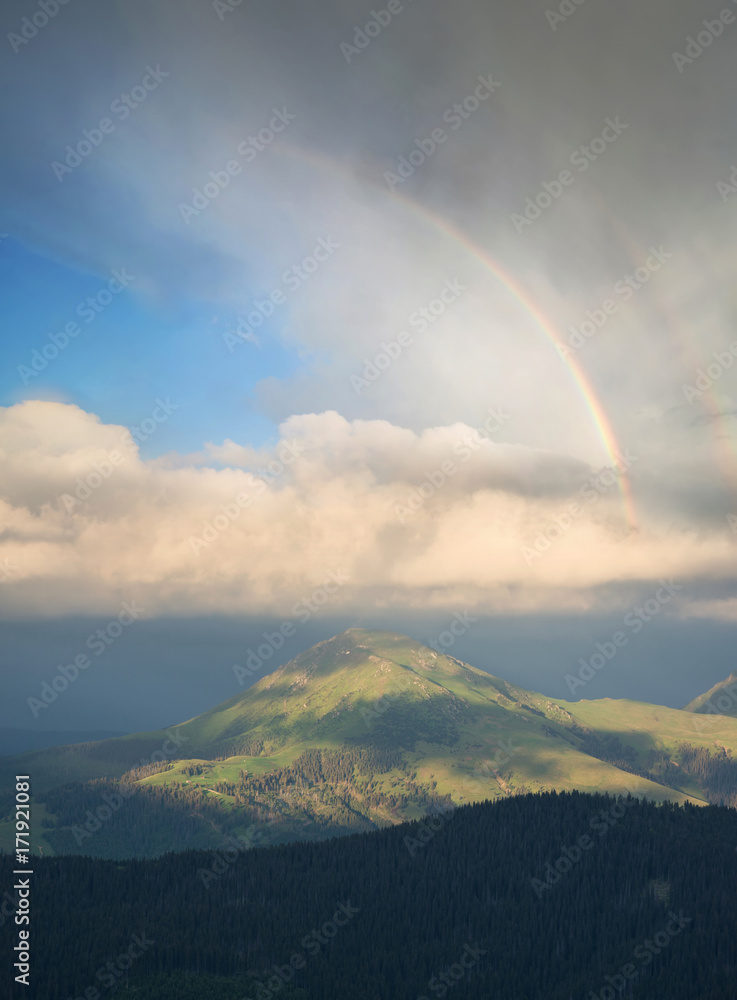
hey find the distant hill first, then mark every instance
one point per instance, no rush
(719, 700)
(13, 741)
(362, 731)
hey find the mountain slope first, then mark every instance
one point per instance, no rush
(719, 700)
(362, 731)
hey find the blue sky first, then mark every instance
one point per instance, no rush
(175, 97)
(133, 352)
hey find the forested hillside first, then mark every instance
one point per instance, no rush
(541, 897)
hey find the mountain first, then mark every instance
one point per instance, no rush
(719, 700)
(361, 731)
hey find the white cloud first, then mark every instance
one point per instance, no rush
(719, 609)
(330, 502)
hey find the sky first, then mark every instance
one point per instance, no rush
(424, 310)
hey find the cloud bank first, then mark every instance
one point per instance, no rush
(445, 518)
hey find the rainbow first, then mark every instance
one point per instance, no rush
(583, 385)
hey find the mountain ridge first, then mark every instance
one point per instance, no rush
(360, 731)
(721, 699)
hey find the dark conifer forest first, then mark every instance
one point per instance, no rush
(554, 896)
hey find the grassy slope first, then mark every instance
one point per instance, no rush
(473, 735)
(327, 713)
(723, 698)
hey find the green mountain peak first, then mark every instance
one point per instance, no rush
(365, 729)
